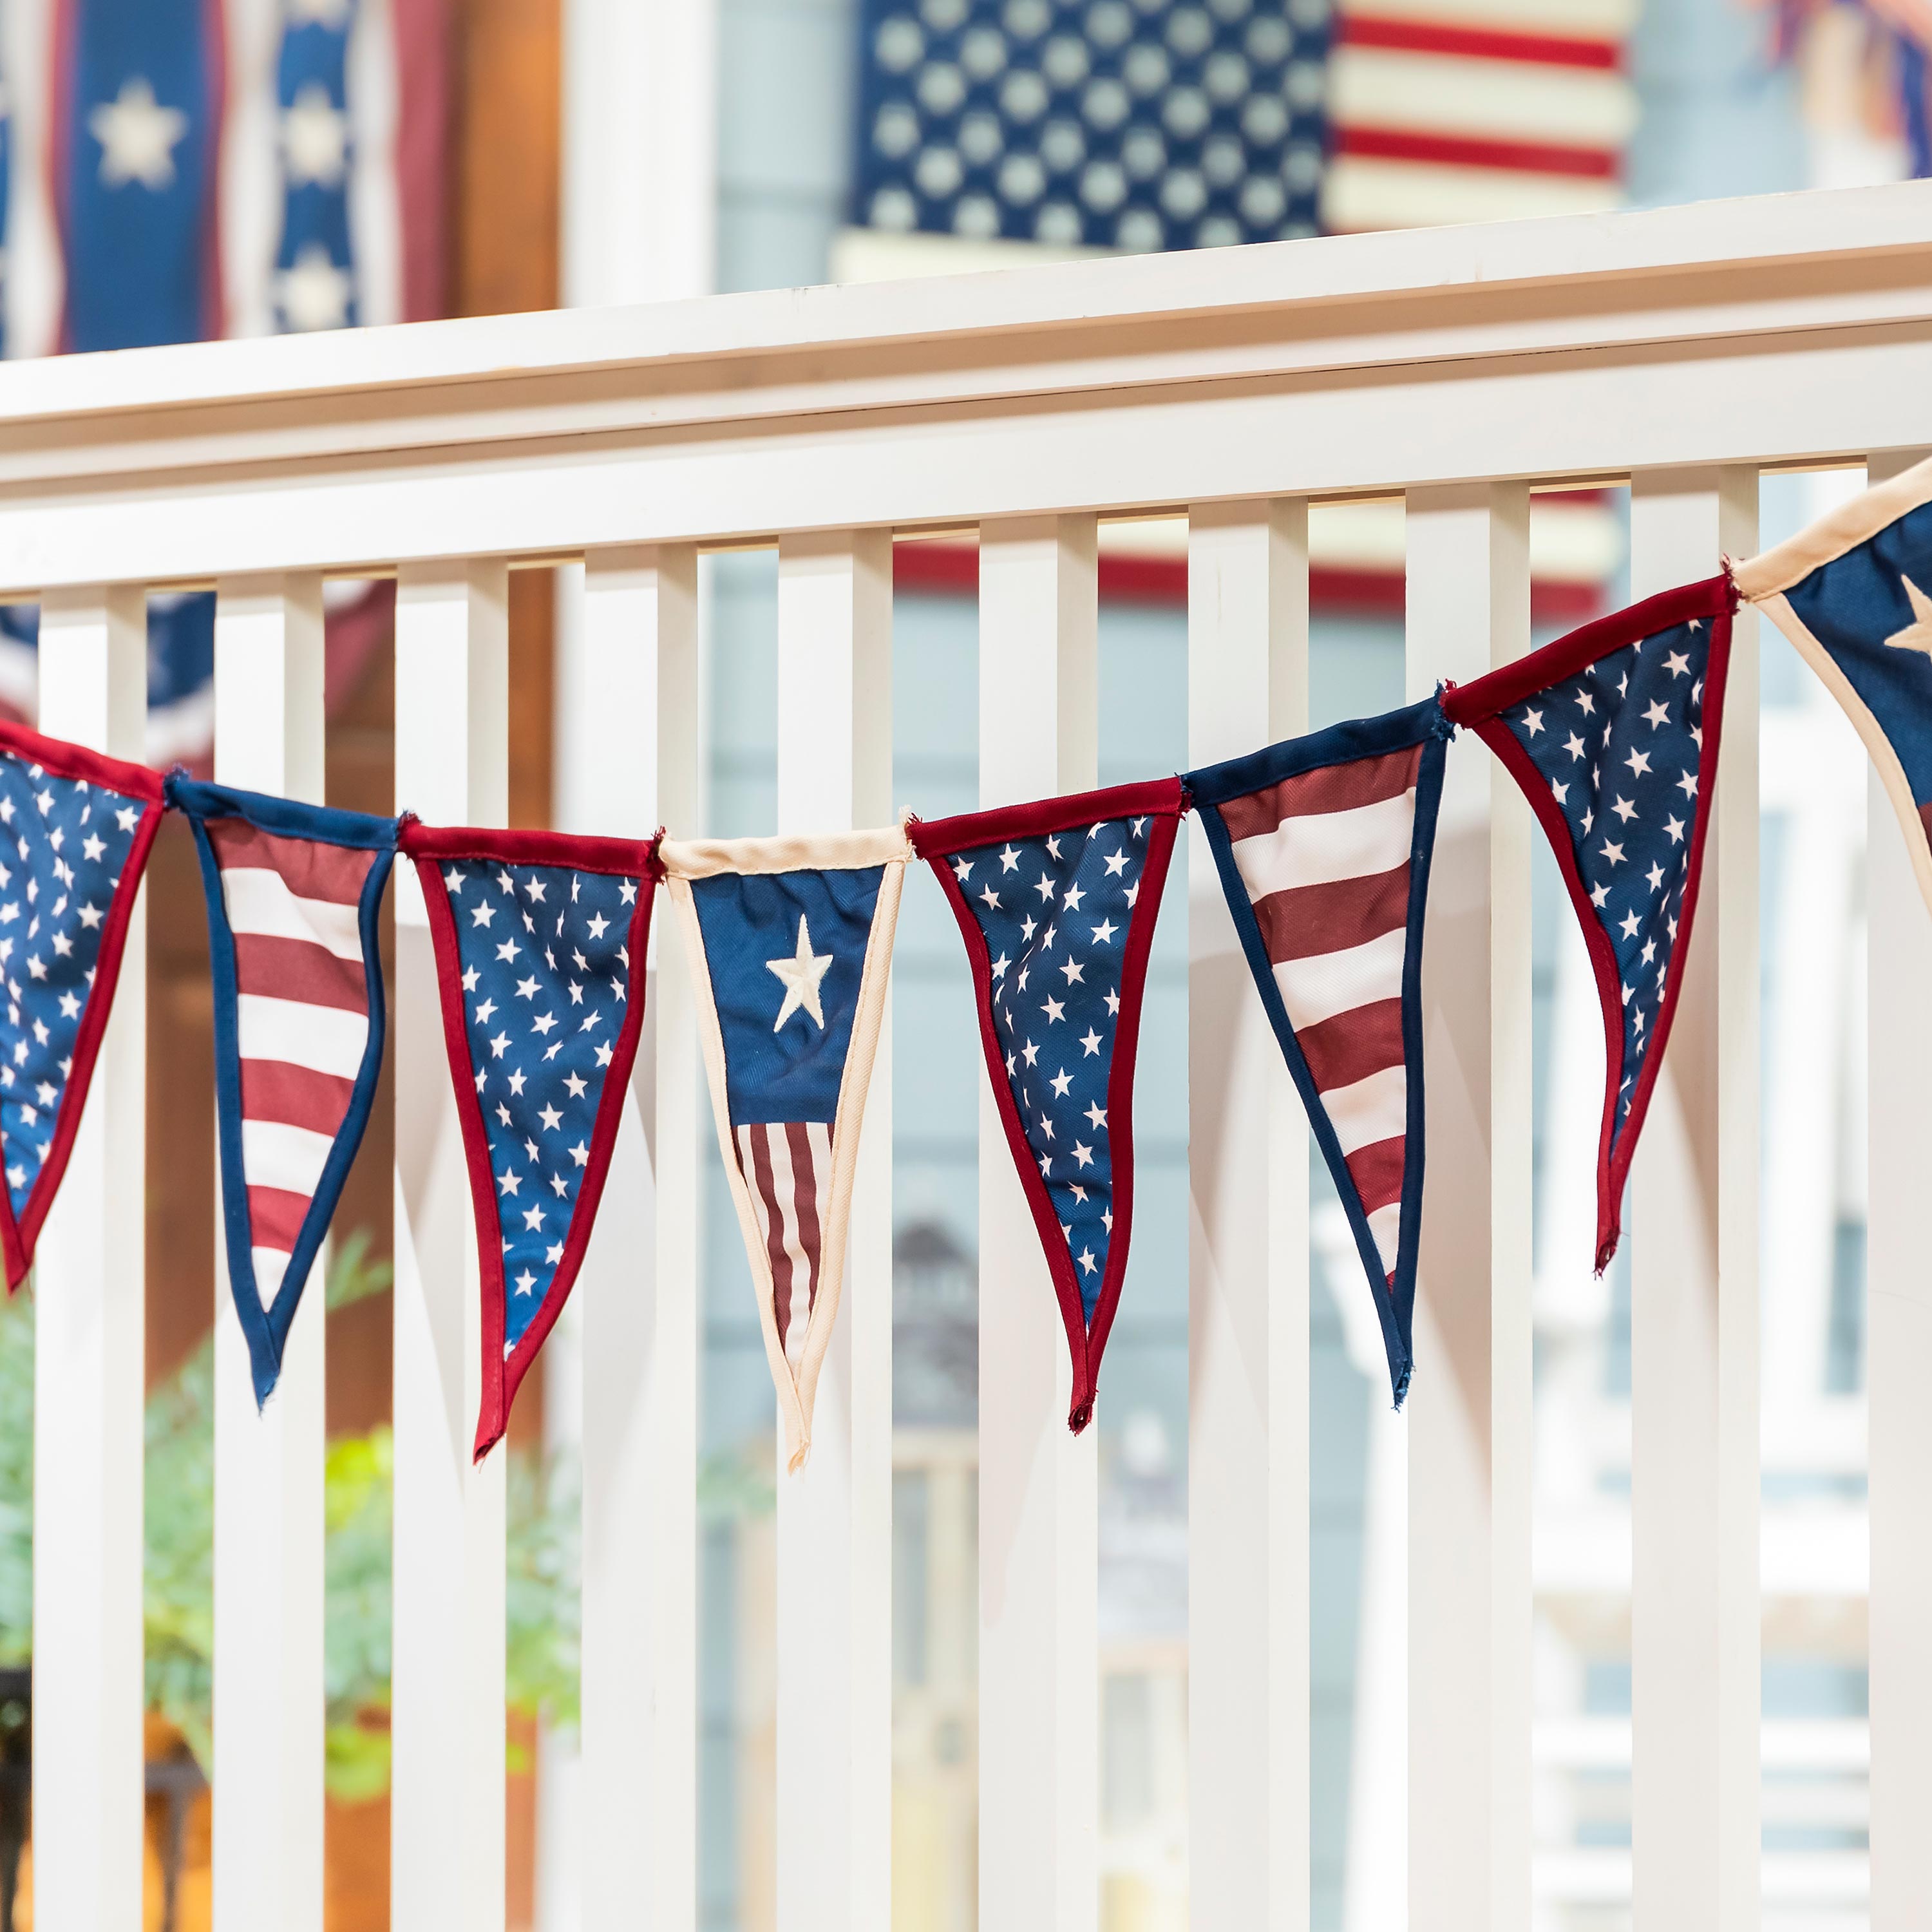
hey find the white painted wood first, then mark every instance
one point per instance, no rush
(90, 1324)
(1248, 1420)
(268, 1697)
(1038, 1486)
(1694, 1611)
(1469, 1404)
(639, 150)
(1898, 1336)
(638, 756)
(446, 1805)
(835, 1515)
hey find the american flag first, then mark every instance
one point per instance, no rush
(75, 830)
(1142, 125)
(1323, 845)
(292, 894)
(1057, 903)
(1612, 732)
(541, 966)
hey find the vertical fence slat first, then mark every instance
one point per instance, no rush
(1694, 1630)
(835, 1515)
(639, 1292)
(1898, 1342)
(1038, 1486)
(268, 1849)
(88, 1366)
(1469, 1406)
(446, 1804)
(1248, 1439)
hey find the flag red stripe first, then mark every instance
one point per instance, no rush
(275, 1216)
(311, 869)
(1352, 1046)
(1438, 37)
(1376, 1170)
(1341, 787)
(1540, 157)
(1307, 921)
(804, 1193)
(299, 969)
(272, 1090)
(775, 1246)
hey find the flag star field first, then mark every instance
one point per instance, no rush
(63, 843)
(546, 972)
(1054, 912)
(1620, 747)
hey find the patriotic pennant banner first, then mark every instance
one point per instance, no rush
(790, 942)
(540, 942)
(1612, 732)
(1851, 593)
(75, 829)
(293, 894)
(1056, 902)
(1323, 844)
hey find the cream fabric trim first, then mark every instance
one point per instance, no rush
(1885, 760)
(797, 1394)
(1844, 529)
(831, 851)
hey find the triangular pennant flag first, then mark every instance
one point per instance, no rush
(1853, 592)
(1056, 902)
(1612, 732)
(75, 828)
(293, 891)
(540, 942)
(790, 942)
(1323, 844)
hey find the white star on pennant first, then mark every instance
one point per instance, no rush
(800, 976)
(1917, 635)
(138, 136)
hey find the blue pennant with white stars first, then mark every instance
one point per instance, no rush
(72, 851)
(546, 961)
(1057, 917)
(1612, 733)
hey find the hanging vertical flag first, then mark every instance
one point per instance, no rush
(790, 942)
(75, 831)
(1056, 902)
(540, 942)
(1850, 593)
(293, 894)
(1323, 844)
(1612, 732)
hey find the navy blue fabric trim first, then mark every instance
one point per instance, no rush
(1394, 1300)
(1359, 738)
(267, 1329)
(358, 831)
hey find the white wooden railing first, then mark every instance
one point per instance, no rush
(1684, 351)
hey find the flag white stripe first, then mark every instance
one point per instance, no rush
(260, 904)
(1477, 99)
(1360, 192)
(325, 1039)
(1370, 1110)
(1322, 848)
(1606, 21)
(1317, 988)
(270, 1264)
(274, 1154)
(1385, 1226)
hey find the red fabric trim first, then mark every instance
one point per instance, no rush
(590, 1193)
(941, 838)
(632, 857)
(1459, 150)
(19, 1242)
(1469, 704)
(1434, 36)
(67, 761)
(1120, 1104)
(422, 155)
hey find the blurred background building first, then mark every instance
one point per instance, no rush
(173, 171)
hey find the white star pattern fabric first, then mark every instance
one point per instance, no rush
(1612, 733)
(1057, 903)
(75, 831)
(541, 971)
